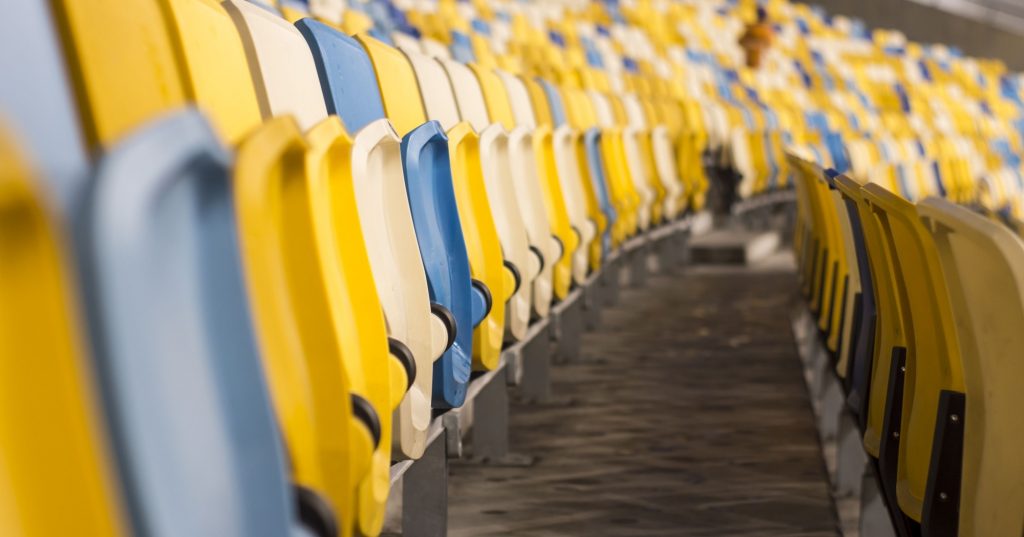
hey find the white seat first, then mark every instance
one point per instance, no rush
(282, 65)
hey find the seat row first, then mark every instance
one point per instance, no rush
(919, 305)
(246, 258)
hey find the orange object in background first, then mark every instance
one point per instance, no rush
(756, 39)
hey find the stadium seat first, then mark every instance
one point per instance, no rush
(440, 105)
(41, 107)
(168, 316)
(565, 142)
(487, 263)
(281, 65)
(862, 346)
(121, 63)
(528, 193)
(934, 384)
(54, 455)
(848, 282)
(982, 263)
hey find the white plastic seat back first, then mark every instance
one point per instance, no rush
(494, 158)
(406, 42)
(436, 49)
(281, 63)
(564, 142)
(391, 240)
(435, 88)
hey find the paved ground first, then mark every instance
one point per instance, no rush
(691, 419)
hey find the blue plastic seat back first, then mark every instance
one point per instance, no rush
(349, 82)
(36, 99)
(346, 74)
(198, 447)
(592, 144)
(428, 182)
(554, 102)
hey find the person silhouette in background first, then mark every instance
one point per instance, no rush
(757, 38)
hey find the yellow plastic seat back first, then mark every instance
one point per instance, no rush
(55, 474)
(356, 308)
(933, 355)
(215, 69)
(122, 65)
(300, 348)
(983, 266)
(281, 63)
(640, 133)
(396, 77)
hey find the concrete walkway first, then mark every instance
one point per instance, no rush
(690, 419)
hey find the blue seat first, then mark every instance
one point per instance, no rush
(197, 445)
(40, 106)
(349, 83)
(432, 200)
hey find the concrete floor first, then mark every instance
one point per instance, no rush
(690, 418)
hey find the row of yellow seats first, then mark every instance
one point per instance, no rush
(920, 306)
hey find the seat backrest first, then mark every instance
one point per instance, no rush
(437, 93)
(983, 267)
(40, 107)
(197, 443)
(933, 357)
(121, 63)
(54, 461)
(215, 69)
(862, 348)
(396, 80)
(439, 231)
(281, 64)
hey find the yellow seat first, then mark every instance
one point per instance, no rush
(122, 65)
(56, 476)
(933, 362)
(215, 71)
(395, 78)
(441, 105)
(983, 267)
(292, 313)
